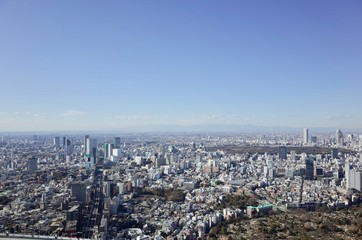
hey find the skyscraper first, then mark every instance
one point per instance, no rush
(353, 178)
(79, 191)
(64, 141)
(69, 147)
(305, 136)
(347, 169)
(339, 138)
(91, 147)
(282, 152)
(32, 164)
(334, 153)
(309, 169)
(86, 137)
(117, 142)
(108, 150)
(57, 142)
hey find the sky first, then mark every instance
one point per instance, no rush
(95, 65)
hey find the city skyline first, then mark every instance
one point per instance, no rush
(69, 66)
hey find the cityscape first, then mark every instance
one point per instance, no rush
(173, 186)
(180, 120)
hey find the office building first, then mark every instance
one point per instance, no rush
(292, 155)
(354, 180)
(57, 142)
(79, 191)
(69, 147)
(193, 145)
(117, 142)
(86, 137)
(32, 164)
(108, 150)
(309, 169)
(117, 152)
(91, 147)
(334, 153)
(270, 163)
(305, 136)
(347, 169)
(282, 152)
(339, 138)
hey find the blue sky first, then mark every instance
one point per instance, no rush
(91, 65)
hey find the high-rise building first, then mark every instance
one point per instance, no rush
(270, 163)
(69, 147)
(86, 137)
(64, 141)
(339, 137)
(193, 145)
(117, 142)
(309, 169)
(353, 178)
(334, 153)
(91, 147)
(32, 164)
(105, 150)
(305, 135)
(292, 155)
(347, 169)
(108, 150)
(57, 142)
(282, 152)
(79, 191)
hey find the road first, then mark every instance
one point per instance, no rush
(95, 211)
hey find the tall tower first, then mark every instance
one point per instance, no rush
(117, 142)
(347, 170)
(334, 153)
(79, 191)
(309, 169)
(339, 138)
(57, 142)
(86, 137)
(64, 141)
(91, 147)
(282, 152)
(69, 147)
(108, 150)
(305, 135)
(32, 164)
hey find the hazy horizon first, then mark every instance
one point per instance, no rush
(87, 65)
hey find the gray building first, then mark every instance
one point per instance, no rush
(309, 169)
(79, 191)
(282, 152)
(305, 135)
(117, 142)
(339, 138)
(32, 164)
(57, 142)
(334, 153)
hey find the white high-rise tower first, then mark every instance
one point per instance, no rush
(305, 135)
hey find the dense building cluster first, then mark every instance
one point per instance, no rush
(159, 186)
